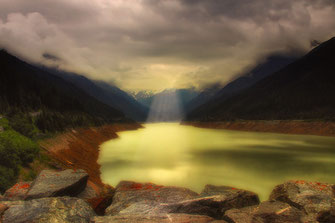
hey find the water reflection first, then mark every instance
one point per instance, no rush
(172, 154)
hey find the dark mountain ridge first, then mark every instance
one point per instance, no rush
(204, 96)
(26, 88)
(106, 93)
(270, 65)
(303, 89)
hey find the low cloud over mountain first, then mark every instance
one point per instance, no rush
(157, 44)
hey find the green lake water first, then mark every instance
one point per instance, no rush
(173, 154)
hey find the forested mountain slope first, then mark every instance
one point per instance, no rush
(302, 90)
(59, 104)
(106, 93)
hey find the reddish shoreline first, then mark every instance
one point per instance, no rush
(286, 127)
(79, 148)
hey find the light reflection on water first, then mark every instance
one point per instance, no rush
(173, 154)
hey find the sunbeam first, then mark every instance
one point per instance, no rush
(165, 108)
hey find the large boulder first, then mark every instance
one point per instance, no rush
(128, 193)
(277, 212)
(214, 201)
(58, 183)
(133, 198)
(60, 209)
(312, 198)
(163, 218)
(214, 206)
(17, 192)
(268, 211)
(242, 215)
(234, 197)
(146, 207)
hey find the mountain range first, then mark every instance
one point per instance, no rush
(106, 93)
(185, 95)
(271, 64)
(280, 87)
(304, 89)
(25, 88)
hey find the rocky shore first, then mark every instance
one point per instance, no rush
(318, 128)
(65, 196)
(79, 148)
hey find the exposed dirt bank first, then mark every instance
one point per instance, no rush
(287, 127)
(79, 149)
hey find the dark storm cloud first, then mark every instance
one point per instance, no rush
(255, 9)
(58, 11)
(154, 44)
(49, 56)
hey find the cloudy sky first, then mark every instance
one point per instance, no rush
(157, 44)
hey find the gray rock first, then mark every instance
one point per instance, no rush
(146, 207)
(213, 206)
(60, 209)
(327, 216)
(276, 212)
(164, 218)
(235, 198)
(310, 197)
(18, 191)
(54, 184)
(268, 211)
(242, 215)
(128, 193)
(11, 203)
(134, 198)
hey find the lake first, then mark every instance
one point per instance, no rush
(174, 154)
